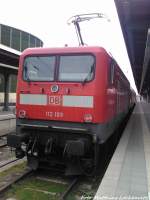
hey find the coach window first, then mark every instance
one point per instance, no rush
(112, 73)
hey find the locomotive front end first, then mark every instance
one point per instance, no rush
(55, 107)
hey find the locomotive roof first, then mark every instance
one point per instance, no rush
(80, 49)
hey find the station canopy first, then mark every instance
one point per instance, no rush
(12, 42)
(134, 17)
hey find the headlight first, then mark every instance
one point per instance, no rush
(22, 113)
(88, 118)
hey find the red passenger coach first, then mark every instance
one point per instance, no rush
(69, 102)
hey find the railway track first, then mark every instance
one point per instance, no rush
(3, 145)
(3, 164)
(4, 188)
(69, 188)
(72, 185)
(11, 179)
(28, 176)
(9, 183)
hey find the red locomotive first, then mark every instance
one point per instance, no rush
(69, 102)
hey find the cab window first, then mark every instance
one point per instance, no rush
(76, 68)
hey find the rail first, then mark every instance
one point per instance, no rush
(8, 184)
(3, 145)
(69, 189)
(9, 162)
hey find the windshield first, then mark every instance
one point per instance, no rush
(77, 68)
(39, 68)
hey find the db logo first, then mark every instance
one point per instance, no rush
(54, 88)
(54, 100)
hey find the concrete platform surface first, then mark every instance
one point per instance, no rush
(6, 115)
(128, 174)
(7, 122)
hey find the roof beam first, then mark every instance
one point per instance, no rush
(8, 66)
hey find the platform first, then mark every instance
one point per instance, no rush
(7, 122)
(128, 174)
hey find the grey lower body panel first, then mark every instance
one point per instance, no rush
(99, 132)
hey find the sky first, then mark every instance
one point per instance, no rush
(47, 20)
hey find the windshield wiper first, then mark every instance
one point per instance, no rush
(26, 73)
(35, 67)
(88, 75)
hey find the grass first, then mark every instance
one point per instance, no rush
(33, 189)
(36, 189)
